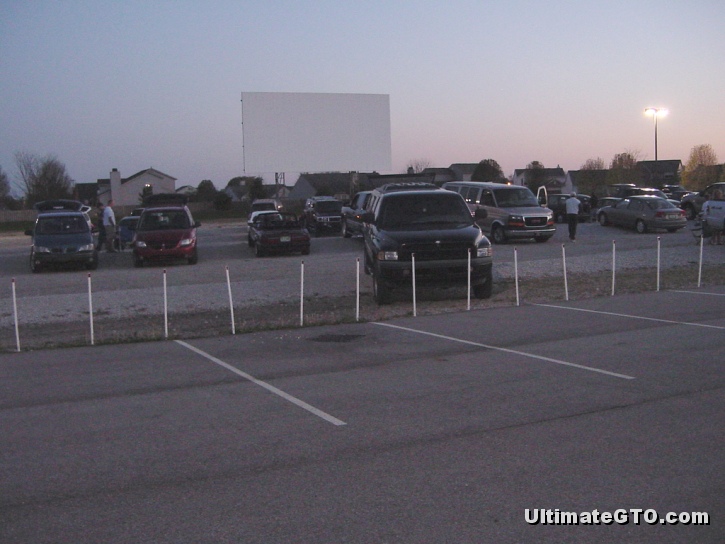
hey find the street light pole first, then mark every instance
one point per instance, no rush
(656, 112)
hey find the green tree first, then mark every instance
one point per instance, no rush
(222, 201)
(487, 170)
(535, 175)
(700, 169)
(255, 188)
(206, 191)
(147, 191)
(42, 178)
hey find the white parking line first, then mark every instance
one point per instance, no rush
(319, 413)
(506, 350)
(696, 293)
(632, 316)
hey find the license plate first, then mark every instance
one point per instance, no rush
(672, 216)
(284, 238)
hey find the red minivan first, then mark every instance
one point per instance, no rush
(165, 231)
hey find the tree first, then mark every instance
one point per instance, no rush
(623, 168)
(206, 191)
(487, 170)
(535, 175)
(593, 164)
(417, 166)
(147, 191)
(4, 185)
(42, 178)
(255, 188)
(590, 179)
(700, 169)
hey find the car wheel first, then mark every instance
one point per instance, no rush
(484, 290)
(194, 258)
(258, 251)
(673, 230)
(250, 242)
(381, 291)
(93, 265)
(306, 251)
(690, 211)
(498, 235)
(34, 267)
(137, 261)
(345, 232)
(366, 264)
(603, 221)
(640, 226)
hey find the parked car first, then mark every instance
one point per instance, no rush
(557, 204)
(263, 205)
(692, 203)
(165, 231)
(62, 236)
(323, 214)
(278, 232)
(352, 214)
(643, 213)
(625, 190)
(434, 225)
(675, 192)
(512, 212)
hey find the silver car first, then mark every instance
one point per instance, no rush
(643, 213)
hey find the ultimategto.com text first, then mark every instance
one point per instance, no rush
(622, 516)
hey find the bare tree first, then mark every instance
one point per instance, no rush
(591, 178)
(593, 164)
(623, 168)
(42, 178)
(487, 170)
(4, 185)
(700, 170)
(417, 166)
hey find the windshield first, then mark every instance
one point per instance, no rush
(260, 206)
(164, 220)
(424, 211)
(62, 225)
(329, 206)
(515, 197)
(660, 204)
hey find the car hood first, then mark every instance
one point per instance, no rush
(63, 240)
(165, 236)
(468, 233)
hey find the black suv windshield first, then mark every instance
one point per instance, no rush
(329, 206)
(164, 220)
(515, 197)
(73, 224)
(416, 211)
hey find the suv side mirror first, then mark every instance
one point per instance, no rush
(480, 213)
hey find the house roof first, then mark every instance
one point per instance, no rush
(152, 171)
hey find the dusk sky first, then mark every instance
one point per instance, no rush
(139, 84)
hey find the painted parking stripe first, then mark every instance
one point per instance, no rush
(696, 293)
(506, 350)
(272, 389)
(671, 322)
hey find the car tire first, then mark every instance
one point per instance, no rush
(484, 290)
(345, 232)
(306, 251)
(194, 258)
(34, 268)
(497, 235)
(93, 265)
(603, 221)
(381, 291)
(673, 230)
(250, 242)
(258, 251)
(640, 226)
(690, 211)
(137, 261)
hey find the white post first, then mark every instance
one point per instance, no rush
(90, 307)
(412, 266)
(468, 305)
(614, 263)
(516, 274)
(658, 262)
(231, 303)
(302, 294)
(357, 291)
(699, 272)
(15, 317)
(166, 310)
(566, 284)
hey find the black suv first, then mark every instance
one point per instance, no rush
(323, 214)
(62, 235)
(432, 224)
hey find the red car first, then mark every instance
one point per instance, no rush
(278, 232)
(165, 232)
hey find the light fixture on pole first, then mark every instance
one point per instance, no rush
(656, 112)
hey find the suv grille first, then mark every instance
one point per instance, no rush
(536, 221)
(434, 251)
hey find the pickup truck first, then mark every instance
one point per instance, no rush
(352, 214)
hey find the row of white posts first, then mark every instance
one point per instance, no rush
(357, 289)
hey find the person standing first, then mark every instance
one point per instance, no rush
(573, 204)
(101, 228)
(109, 224)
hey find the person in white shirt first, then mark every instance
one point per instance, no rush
(109, 223)
(573, 204)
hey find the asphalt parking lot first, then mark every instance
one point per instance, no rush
(429, 429)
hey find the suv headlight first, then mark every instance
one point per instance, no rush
(387, 255)
(186, 242)
(87, 247)
(42, 249)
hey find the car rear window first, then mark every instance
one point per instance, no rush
(163, 220)
(62, 225)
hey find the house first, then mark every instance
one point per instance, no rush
(125, 192)
(343, 185)
(554, 179)
(455, 172)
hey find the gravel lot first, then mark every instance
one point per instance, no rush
(128, 303)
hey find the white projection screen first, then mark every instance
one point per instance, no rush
(316, 132)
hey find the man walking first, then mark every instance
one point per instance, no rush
(109, 224)
(573, 204)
